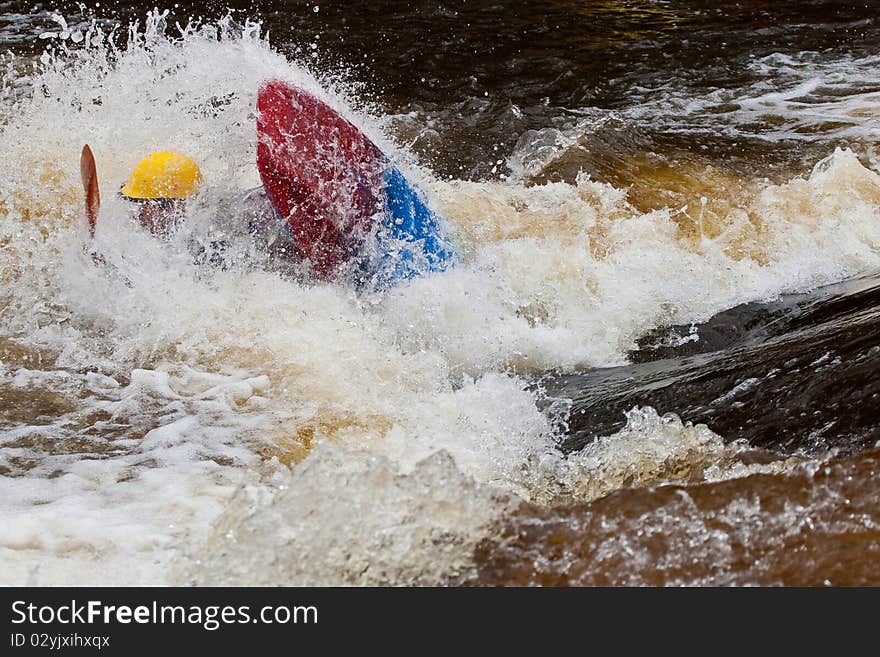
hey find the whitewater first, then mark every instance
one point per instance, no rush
(173, 423)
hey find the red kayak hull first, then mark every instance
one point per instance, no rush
(321, 172)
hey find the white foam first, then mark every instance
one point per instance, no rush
(798, 97)
(161, 464)
(418, 529)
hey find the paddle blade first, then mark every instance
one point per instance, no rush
(89, 175)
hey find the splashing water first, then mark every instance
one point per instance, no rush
(167, 421)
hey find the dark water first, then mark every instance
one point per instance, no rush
(798, 375)
(474, 83)
(481, 74)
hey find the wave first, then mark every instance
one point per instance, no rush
(172, 385)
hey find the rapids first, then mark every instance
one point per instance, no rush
(660, 348)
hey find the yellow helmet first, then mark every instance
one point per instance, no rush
(163, 175)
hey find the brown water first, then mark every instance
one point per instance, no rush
(816, 527)
(647, 219)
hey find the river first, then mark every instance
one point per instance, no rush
(655, 364)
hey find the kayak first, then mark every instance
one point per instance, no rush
(342, 198)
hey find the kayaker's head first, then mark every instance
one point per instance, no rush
(160, 184)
